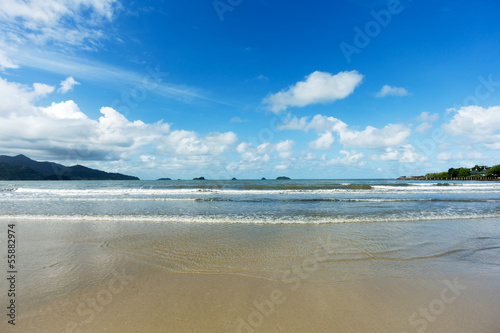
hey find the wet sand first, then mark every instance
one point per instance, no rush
(91, 277)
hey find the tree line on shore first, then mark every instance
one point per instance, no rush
(476, 171)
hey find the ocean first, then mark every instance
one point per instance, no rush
(250, 201)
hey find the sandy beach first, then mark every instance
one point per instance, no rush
(137, 277)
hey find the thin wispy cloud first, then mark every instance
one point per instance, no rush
(75, 23)
(152, 79)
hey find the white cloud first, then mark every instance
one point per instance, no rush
(493, 146)
(42, 90)
(243, 147)
(349, 158)
(236, 119)
(5, 62)
(257, 158)
(310, 156)
(251, 158)
(478, 124)
(445, 157)
(402, 154)
(61, 22)
(428, 117)
(323, 142)
(285, 148)
(183, 142)
(370, 137)
(294, 123)
(147, 158)
(318, 87)
(64, 110)
(18, 98)
(151, 80)
(423, 127)
(67, 84)
(391, 91)
(62, 129)
(282, 166)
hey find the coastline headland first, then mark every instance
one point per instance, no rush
(479, 178)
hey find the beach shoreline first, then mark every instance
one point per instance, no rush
(134, 277)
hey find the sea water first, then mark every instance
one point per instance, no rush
(250, 201)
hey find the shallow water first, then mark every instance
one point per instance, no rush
(250, 201)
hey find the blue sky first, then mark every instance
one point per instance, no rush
(250, 89)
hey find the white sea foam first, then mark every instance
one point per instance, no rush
(220, 219)
(376, 189)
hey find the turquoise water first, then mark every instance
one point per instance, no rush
(250, 201)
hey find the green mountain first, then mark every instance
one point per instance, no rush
(14, 172)
(21, 167)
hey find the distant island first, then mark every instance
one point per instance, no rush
(164, 179)
(21, 167)
(199, 178)
(476, 173)
(282, 178)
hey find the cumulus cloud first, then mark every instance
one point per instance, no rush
(67, 85)
(426, 120)
(62, 129)
(423, 127)
(391, 91)
(183, 142)
(323, 142)
(370, 137)
(478, 124)
(348, 158)
(428, 117)
(18, 98)
(402, 154)
(255, 158)
(64, 110)
(285, 148)
(318, 87)
(446, 157)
